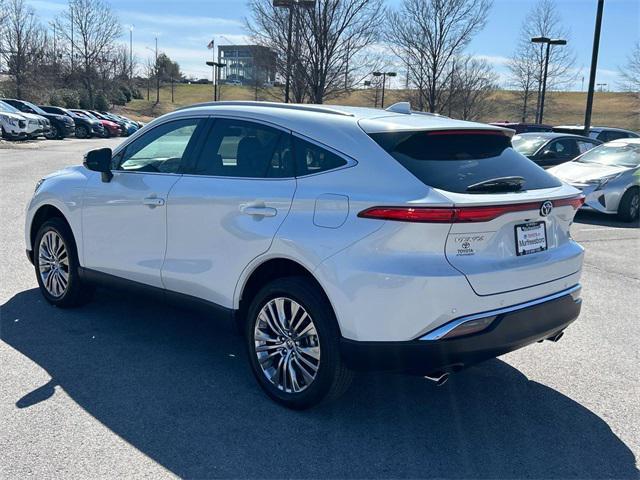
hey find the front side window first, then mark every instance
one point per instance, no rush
(160, 150)
(564, 148)
(585, 146)
(238, 148)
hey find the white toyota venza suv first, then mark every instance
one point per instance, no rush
(336, 238)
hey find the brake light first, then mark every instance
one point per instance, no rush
(500, 133)
(459, 214)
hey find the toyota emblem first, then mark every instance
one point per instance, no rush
(546, 208)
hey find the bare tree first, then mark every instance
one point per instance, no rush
(329, 40)
(90, 29)
(473, 83)
(428, 35)
(22, 41)
(630, 73)
(529, 58)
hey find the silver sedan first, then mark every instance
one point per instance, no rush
(609, 177)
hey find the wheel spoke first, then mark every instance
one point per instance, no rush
(53, 263)
(289, 364)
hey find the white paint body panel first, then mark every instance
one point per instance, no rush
(386, 280)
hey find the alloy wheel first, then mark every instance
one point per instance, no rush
(287, 345)
(53, 264)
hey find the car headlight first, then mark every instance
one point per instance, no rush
(602, 182)
(39, 184)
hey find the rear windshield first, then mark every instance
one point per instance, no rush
(454, 161)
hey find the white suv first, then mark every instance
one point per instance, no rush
(337, 238)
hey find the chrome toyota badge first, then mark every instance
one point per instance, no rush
(546, 208)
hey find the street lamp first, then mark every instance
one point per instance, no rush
(549, 42)
(291, 5)
(384, 80)
(218, 66)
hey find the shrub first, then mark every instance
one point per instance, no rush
(55, 98)
(126, 93)
(100, 102)
(83, 100)
(70, 99)
(118, 97)
(136, 93)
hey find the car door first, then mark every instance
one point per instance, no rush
(226, 209)
(124, 220)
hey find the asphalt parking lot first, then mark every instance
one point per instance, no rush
(128, 387)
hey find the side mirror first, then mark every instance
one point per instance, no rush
(100, 161)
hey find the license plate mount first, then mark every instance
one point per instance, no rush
(530, 238)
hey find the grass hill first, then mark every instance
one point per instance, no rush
(612, 109)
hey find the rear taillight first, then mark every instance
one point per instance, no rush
(459, 214)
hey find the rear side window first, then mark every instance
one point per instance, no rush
(311, 158)
(453, 161)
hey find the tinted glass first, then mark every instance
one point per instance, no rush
(311, 158)
(585, 146)
(455, 162)
(624, 155)
(237, 148)
(564, 148)
(161, 149)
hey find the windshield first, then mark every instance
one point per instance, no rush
(5, 107)
(623, 155)
(35, 108)
(528, 145)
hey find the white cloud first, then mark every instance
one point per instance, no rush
(178, 20)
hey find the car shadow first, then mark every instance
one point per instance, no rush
(596, 218)
(176, 386)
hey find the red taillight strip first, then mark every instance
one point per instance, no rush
(459, 214)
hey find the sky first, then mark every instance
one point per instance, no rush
(185, 27)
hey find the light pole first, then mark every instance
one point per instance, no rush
(602, 85)
(549, 42)
(594, 65)
(157, 71)
(384, 81)
(216, 76)
(291, 5)
(130, 52)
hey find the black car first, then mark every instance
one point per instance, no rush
(520, 127)
(61, 125)
(548, 149)
(604, 134)
(85, 127)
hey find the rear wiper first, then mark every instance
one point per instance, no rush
(500, 184)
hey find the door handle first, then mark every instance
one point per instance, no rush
(153, 201)
(258, 210)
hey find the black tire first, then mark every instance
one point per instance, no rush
(53, 133)
(332, 378)
(76, 292)
(628, 210)
(82, 132)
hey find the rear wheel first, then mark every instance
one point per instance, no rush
(56, 264)
(629, 207)
(293, 343)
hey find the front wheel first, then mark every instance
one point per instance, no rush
(56, 264)
(53, 133)
(82, 132)
(629, 207)
(293, 343)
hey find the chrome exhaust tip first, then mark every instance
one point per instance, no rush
(556, 337)
(438, 378)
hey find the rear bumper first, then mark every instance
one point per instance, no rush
(511, 328)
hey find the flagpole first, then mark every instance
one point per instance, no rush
(213, 69)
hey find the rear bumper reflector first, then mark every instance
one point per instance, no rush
(459, 214)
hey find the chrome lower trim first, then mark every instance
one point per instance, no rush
(440, 332)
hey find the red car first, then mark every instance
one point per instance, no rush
(111, 129)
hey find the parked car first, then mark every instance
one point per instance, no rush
(37, 125)
(548, 149)
(101, 116)
(524, 127)
(111, 129)
(337, 238)
(609, 177)
(60, 126)
(13, 126)
(85, 127)
(604, 134)
(130, 127)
